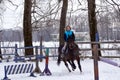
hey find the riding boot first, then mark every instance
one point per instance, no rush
(64, 48)
(66, 51)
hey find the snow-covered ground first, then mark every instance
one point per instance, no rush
(106, 72)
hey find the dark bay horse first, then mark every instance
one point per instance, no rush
(71, 55)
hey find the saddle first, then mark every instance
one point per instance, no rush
(68, 47)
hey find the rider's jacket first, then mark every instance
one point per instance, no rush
(69, 35)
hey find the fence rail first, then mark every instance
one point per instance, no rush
(82, 49)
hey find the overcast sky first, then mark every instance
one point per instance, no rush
(12, 16)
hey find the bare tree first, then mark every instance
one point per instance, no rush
(0, 44)
(1, 12)
(108, 14)
(92, 21)
(63, 21)
(27, 28)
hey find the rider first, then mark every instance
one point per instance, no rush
(68, 34)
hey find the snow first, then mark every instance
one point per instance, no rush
(106, 71)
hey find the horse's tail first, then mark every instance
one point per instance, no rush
(59, 56)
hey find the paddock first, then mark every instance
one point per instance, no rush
(95, 50)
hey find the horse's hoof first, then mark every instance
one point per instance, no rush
(80, 71)
(73, 69)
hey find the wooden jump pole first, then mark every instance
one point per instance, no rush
(37, 69)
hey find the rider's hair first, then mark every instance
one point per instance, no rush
(68, 26)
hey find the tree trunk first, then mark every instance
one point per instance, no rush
(63, 21)
(0, 44)
(27, 28)
(92, 22)
(0, 51)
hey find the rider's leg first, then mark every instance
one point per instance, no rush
(64, 47)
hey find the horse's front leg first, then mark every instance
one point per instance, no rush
(71, 62)
(67, 66)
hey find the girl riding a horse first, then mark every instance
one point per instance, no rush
(68, 34)
(69, 48)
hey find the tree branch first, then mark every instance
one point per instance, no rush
(115, 3)
(13, 4)
(79, 2)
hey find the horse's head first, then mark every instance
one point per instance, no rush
(71, 44)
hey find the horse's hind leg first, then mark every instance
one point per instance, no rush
(59, 56)
(67, 66)
(79, 65)
(58, 61)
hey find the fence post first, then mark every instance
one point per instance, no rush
(95, 57)
(16, 52)
(37, 69)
